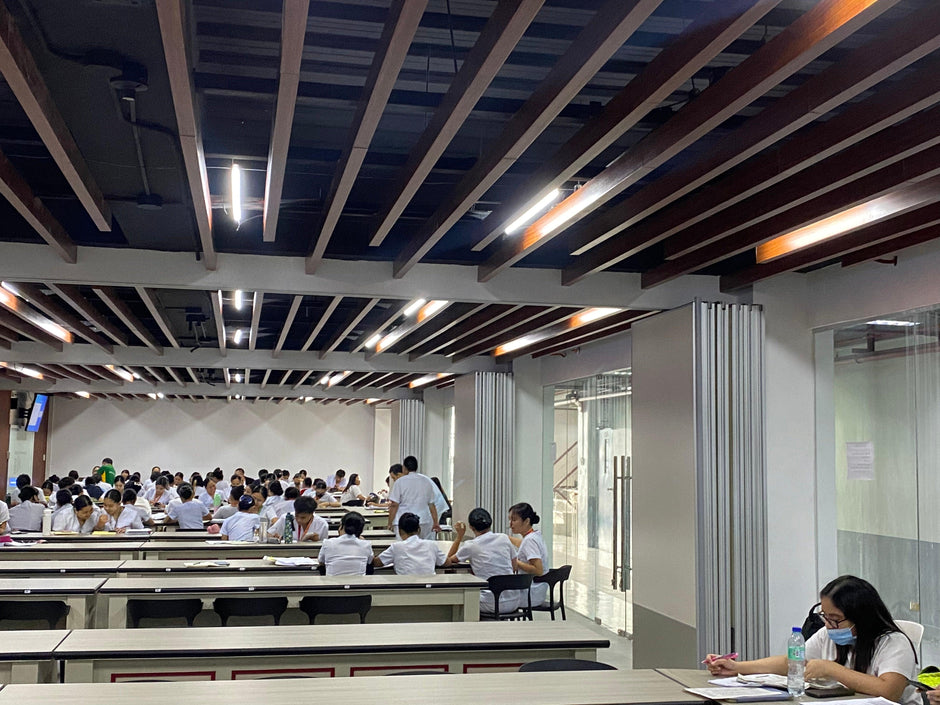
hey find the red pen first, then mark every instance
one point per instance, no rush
(733, 655)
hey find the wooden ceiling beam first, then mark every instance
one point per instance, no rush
(604, 35)
(47, 304)
(73, 297)
(348, 327)
(27, 329)
(410, 328)
(113, 301)
(293, 32)
(159, 314)
(25, 80)
(470, 333)
(545, 320)
(303, 378)
(677, 63)
(396, 312)
(455, 314)
(71, 372)
(890, 247)
(176, 378)
(288, 322)
(152, 371)
(257, 302)
(487, 316)
(9, 334)
(401, 23)
(318, 327)
(264, 380)
(606, 333)
(173, 32)
(286, 377)
(219, 317)
(502, 32)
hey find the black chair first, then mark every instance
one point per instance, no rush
(499, 584)
(370, 569)
(227, 607)
(323, 604)
(564, 664)
(50, 611)
(163, 609)
(556, 576)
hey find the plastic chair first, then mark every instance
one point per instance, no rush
(163, 609)
(323, 604)
(227, 607)
(556, 576)
(499, 584)
(49, 611)
(912, 630)
(564, 664)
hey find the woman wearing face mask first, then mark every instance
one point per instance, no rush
(861, 646)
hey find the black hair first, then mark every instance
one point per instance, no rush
(443, 493)
(113, 495)
(23, 480)
(82, 502)
(132, 486)
(396, 469)
(47, 485)
(235, 477)
(63, 497)
(480, 519)
(291, 493)
(861, 604)
(276, 488)
(340, 473)
(352, 479)
(27, 493)
(129, 497)
(262, 473)
(154, 474)
(218, 474)
(305, 505)
(179, 474)
(259, 487)
(65, 482)
(75, 489)
(410, 463)
(90, 481)
(107, 461)
(524, 511)
(162, 481)
(319, 484)
(236, 492)
(409, 523)
(73, 474)
(54, 479)
(186, 492)
(136, 477)
(308, 482)
(353, 524)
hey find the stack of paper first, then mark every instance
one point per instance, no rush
(741, 694)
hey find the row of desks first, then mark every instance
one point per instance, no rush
(99, 602)
(242, 653)
(639, 687)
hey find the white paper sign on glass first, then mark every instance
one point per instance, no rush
(860, 460)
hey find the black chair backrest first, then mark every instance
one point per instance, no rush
(250, 607)
(326, 604)
(49, 611)
(163, 609)
(554, 576)
(501, 583)
(564, 664)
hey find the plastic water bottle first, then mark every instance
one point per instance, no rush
(288, 528)
(47, 522)
(796, 663)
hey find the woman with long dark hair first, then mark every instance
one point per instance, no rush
(861, 646)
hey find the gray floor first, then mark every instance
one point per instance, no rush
(620, 653)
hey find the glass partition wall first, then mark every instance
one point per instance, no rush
(591, 494)
(884, 399)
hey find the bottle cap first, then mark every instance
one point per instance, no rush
(797, 629)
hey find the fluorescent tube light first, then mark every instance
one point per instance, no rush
(236, 193)
(239, 299)
(890, 322)
(532, 213)
(239, 334)
(413, 307)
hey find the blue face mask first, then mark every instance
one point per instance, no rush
(842, 637)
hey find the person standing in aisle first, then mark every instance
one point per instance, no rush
(413, 493)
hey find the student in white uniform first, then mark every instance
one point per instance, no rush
(287, 504)
(413, 493)
(221, 485)
(275, 496)
(211, 497)
(21, 482)
(337, 481)
(122, 514)
(241, 526)
(81, 517)
(260, 494)
(412, 555)
(320, 494)
(142, 506)
(347, 554)
(4, 518)
(352, 495)
(160, 494)
(489, 554)
(532, 555)
(27, 515)
(188, 512)
(231, 507)
(307, 525)
(861, 646)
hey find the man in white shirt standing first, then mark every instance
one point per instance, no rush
(413, 492)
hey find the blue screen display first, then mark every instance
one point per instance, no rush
(35, 414)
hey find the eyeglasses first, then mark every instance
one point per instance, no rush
(831, 621)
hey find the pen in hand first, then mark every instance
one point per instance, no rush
(712, 659)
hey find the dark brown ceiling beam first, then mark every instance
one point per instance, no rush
(25, 80)
(487, 316)
(73, 297)
(5, 344)
(890, 247)
(880, 58)
(47, 372)
(219, 316)
(288, 322)
(159, 315)
(607, 31)
(812, 34)
(892, 182)
(9, 334)
(371, 380)
(920, 133)
(545, 320)
(14, 322)
(911, 222)
(347, 328)
(293, 32)
(452, 317)
(257, 302)
(8, 374)
(678, 62)
(394, 381)
(303, 378)
(402, 22)
(103, 373)
(396, 311)
(117, 305)
(176, 377)
(614, 330)
(70, 372)
(410, 328)
(503, 30)
(48, 305)
(470, 332)
(318, 327)
(152, 371)
(173, 32)
(285, 377)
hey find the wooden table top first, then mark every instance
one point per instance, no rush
(30, 644)
(562, 688)
(88, 544)
(280, 583)
(326, 639)
(235, 565)
(50, 568)
(50, 586)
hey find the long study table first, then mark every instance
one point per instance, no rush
(78, 593)
(27, 656)
(321, 650)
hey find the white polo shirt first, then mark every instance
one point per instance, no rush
(413, 556)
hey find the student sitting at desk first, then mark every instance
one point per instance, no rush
(347, 554)
(489, 554)
(861, 646)
(307, 525)
(210, 497)
(230, 508)
(122, 515)
(241, 526)
(79, 517)
(532, 555)
(160, 494)
(323, 498)
(352, 495)
(412, 555)
(286, 505)
(27, 515)
(189, 513)
(4, 518)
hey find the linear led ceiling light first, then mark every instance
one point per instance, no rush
(83, 395)
(533, 212)
(582, 318)
(325, 379)
(427, 379)
(10, 300)
(23, 370)
(236, 193)
(413, 307)
(239, 334)
(890, 322)
(338, 377)
(123, 374)
(239, 299)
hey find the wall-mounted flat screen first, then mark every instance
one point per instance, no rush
(35, 414)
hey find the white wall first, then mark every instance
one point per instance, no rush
(186, 436)
(382, 447)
